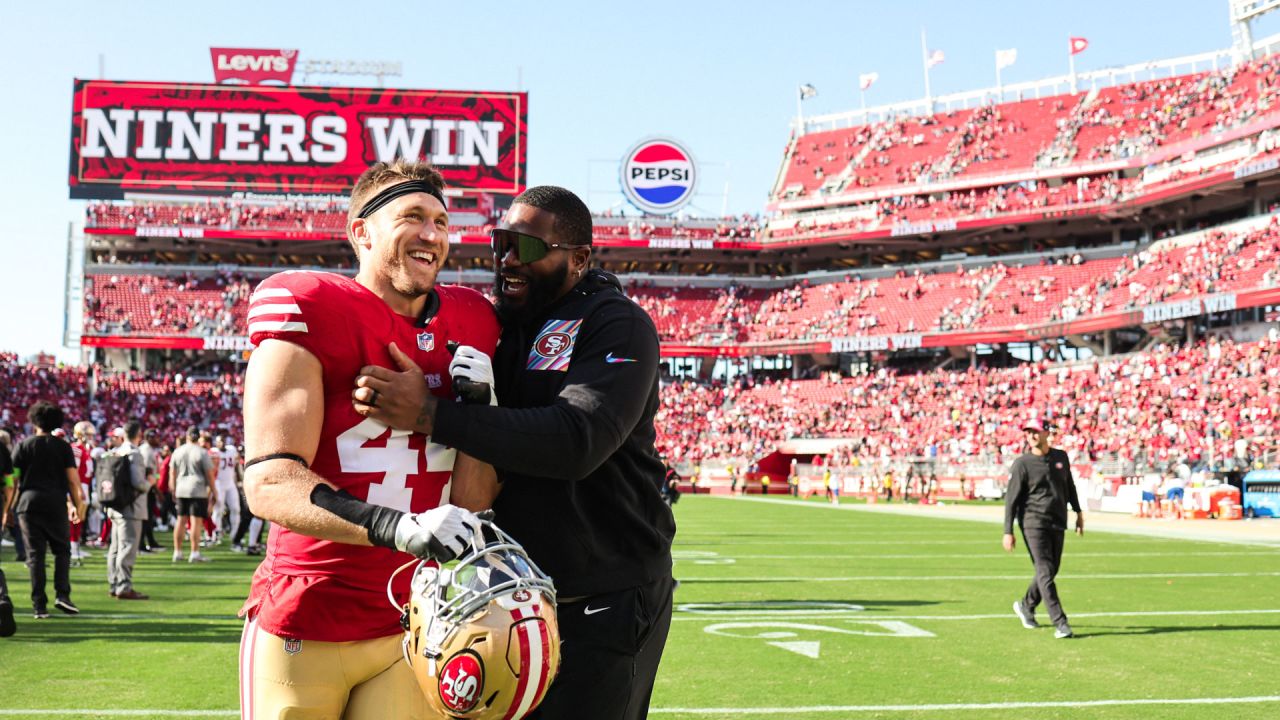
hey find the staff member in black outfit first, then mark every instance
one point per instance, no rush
(46, 475)
(7, 626)
(1040, 488)
(573, 444)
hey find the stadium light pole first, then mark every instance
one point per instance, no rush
(1071, 67)
(924, 56)
(799, 113)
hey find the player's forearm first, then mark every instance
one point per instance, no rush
(474, 485)
(73, 488)
(281, 494)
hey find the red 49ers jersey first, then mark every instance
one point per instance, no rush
(81, 453)
(320, 590)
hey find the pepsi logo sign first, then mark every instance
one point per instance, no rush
(552, 344)
(659, 176)
(461, 681)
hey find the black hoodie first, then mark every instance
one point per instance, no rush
(573, 441)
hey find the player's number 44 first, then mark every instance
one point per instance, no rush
(396, 461)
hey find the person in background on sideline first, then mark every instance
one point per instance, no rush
(191, 472)
(151, 457)
(84, 433)
(7, 625)
(46, 476)
(1040, 489)
(126, 523)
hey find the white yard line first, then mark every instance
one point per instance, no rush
(786, 711)
(923, 556)
(953, 578)
(936, 707)
(764, 614)
(115, 712)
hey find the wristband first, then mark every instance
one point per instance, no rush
(379, 521)
(277, 456)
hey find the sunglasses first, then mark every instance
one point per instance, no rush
(528, 247)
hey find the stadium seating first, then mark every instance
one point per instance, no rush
(690, 315)
(992, 296)
(166, 305)
(330, 218)
(168, 404)
(1115, 122)
(1155, 406)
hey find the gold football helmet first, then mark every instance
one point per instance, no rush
(481, 634)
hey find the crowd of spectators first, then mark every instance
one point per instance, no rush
(1157, 406)
(330, 217)
(1129, 120)
(223, 214)
(158, 400)
(990, 296)
(1211, 262)
(166, 304)
(1116, 122)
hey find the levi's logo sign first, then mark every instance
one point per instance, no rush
(251, 65)
(278, 63)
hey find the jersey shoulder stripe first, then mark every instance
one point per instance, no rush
(296, 303)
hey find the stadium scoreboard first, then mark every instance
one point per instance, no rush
(219, 139)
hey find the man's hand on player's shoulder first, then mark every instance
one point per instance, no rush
(398, 399)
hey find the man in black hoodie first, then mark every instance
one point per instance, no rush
(576, 374)
(1040, 489)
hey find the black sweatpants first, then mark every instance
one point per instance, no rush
(610, 647)
(47, 531)
(1045, 547)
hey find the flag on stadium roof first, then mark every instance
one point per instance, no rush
(866, 80)
(936, 58)
(1005, 58)
(807, 91)
(1078, 45)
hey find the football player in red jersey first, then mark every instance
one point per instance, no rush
(84, 433)
(352, 500)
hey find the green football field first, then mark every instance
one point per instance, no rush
(785, 610)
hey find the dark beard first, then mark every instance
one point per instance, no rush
(541, 293)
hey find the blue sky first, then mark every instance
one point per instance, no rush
(719, 76)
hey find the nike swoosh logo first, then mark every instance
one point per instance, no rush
(590, 611)
(611, 359)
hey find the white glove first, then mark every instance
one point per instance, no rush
(474, 366)
(438, 534)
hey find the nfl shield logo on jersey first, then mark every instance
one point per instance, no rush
(426, 341)
(292, 646)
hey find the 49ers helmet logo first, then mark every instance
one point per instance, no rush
(552, 344)
(461, 681)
